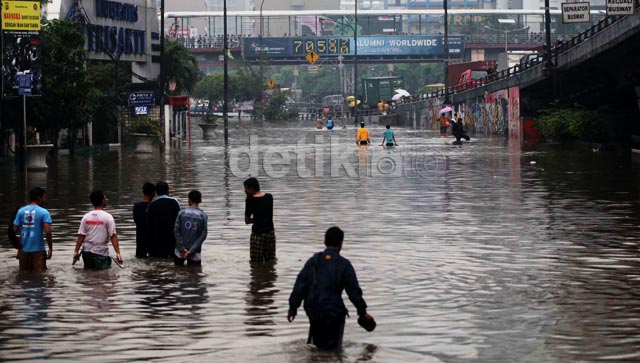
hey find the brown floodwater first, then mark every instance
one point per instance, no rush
(483, 252)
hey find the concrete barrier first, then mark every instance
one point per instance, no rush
(37, 156)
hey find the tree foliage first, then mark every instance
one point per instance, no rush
(180, 66)
(246, 83)
(567, 123)
(64, 102)
(276, 109)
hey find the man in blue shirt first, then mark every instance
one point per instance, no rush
(320, 285)
(30, 221)
(190, 231)
(389, 139)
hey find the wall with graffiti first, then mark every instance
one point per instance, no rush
(496, 113)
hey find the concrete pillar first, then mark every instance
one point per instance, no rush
(90, 133)
(167, 126)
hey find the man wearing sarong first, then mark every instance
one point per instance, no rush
(259, 212)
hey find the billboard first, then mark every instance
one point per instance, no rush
(21, 51)
(367, 46)
(21, 15)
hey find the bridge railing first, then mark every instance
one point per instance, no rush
(551, 56)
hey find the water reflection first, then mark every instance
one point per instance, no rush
(260, 299)
(168, 291)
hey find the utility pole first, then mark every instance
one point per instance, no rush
(225, 108)
(162, 70)
(355, 67)
(446, 53)
(547, 30)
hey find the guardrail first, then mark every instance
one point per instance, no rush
(551, 56)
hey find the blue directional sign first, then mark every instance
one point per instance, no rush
(141, 98)
(24, 84)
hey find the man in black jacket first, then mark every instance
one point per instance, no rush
(320, 285)
(161, 214)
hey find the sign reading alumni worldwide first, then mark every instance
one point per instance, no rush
(345, 46)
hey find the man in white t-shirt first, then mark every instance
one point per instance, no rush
(96, 229)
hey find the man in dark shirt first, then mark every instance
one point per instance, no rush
(161, 216)
(140, 219)
(320, 285)
(259, 212)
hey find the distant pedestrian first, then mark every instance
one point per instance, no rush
(31, 220)
(457, 129)
(389, 138)
(362, 137)
(329, 123)
(320, 284)
(96, 229)
(444, 123)
(259, 212)
(190, 231)
(140, 219)
(161, 214)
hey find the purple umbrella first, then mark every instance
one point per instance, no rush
(446, 109)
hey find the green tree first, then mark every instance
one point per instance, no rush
(345, 26)
(64, 102)
(180, 66)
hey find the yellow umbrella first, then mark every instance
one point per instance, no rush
(352, 103)
(350, 98)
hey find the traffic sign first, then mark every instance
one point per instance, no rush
(24, 84)
(271, 84)
(141, 98)
(312, 57)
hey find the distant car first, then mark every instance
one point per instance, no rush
(471, 78)
(527, 58)
(332, 101)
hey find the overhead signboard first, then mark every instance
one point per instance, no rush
(21, 15)
(141, 98)
(576, 12)
(620, 7)
(345, 46)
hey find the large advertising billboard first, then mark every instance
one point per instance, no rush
(21, 52)
(367, 46)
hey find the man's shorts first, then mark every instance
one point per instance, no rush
(32, 261)
(94, 261)
(192, 263)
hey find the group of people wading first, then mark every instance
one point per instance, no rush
(165, 230)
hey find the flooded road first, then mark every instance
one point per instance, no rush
(480, 253)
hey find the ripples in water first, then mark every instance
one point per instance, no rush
(488, 258)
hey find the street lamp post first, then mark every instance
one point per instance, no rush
(446, 53)
(355, 66)
(261, 25)
(506, 31)
(547, 30)
(162, 67)
(225, 98)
